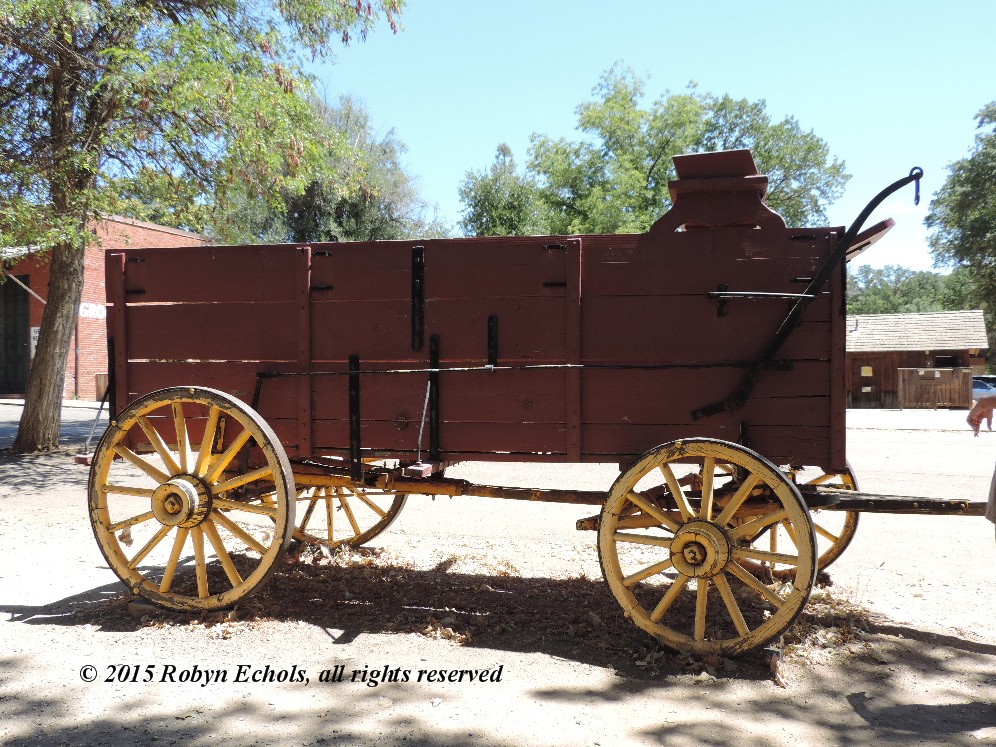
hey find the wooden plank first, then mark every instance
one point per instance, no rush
(211, 273)
(849, 500)
(510, 439)
(364, 270)
(212, 331)
(237, 378)
(530, 329)
(374, 329)
(686, 329)
(782, 445)
(471, 396)
(797, 397)
(496, 267)
(699, 261)
(481, 396)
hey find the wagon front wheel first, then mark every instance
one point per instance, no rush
(679, 547)
(834, 529)
(191, 498)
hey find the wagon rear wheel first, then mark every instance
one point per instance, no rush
(334, 514)
(678, 540)
(190, 498)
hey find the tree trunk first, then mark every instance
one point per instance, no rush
(42, 415)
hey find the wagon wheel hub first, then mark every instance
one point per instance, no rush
(182, 501)
(700, 549)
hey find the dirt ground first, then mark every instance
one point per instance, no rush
(900, 650)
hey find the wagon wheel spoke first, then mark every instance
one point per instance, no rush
(159, 445)
(222, 552)
(708, 472)
(669, 598)
(348, 510)
(207, 441)
(249, 508)
(174, 558)
(754, 583)
(128, 490)
(676, 492)
(731, 604)
(734, 504)
(650, 570)
(754, 528)
(727, 497)
(247, 539)
(149, 546)
(739, 553)
(825, 533)
(237, 482)
(226, 458)
(182, 442)
(653, 511)
(701, 605)
(234, 515)
(197, 537)
(131, 521)
(329, 515)
(156, 474)
(311, 495)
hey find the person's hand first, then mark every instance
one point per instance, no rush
(983, 410)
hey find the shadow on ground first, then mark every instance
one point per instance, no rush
(359, 592)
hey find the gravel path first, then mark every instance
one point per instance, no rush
(476, 584)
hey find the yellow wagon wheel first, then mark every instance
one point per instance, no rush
(677, 540)
(177, 505)
(834, 529)
(337, 514)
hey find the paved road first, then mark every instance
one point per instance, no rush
(77, 422)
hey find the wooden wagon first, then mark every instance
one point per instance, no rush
(267, 393)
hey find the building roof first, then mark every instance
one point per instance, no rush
(939, 330)
(151, 226)
(14, 254)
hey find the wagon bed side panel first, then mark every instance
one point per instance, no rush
(592, 348)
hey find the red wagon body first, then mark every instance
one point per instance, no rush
(566, 348)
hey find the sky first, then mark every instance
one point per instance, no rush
(887, 84)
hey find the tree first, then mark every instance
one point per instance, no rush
(615, 179)
(899, 290)
(500, 201)
(200, 93)
(385, 205)
(962, 217)
(364, 194)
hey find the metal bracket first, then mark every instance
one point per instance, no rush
(418, 297)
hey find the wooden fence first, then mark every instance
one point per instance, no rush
(935, 387)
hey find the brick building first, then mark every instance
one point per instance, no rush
(22, 297)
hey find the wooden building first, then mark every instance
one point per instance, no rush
(22, 300)
(879, 345)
